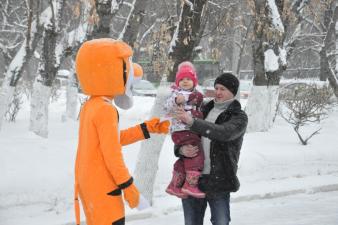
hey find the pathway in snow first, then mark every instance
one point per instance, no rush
(302, 209)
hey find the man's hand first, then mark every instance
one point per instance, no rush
(188, 151)
(179, 99)
(132, 196)
(155, 126)
(183, 116)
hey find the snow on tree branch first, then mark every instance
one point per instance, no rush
(175, 35)
(190, 4)
(46, 17)
(275, 17)
(147, 32)
(299, 4)
(115, 6)
(282, 56)
(125, 26)
(77, 35)
(270, 61)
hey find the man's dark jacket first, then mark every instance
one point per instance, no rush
(226, 136)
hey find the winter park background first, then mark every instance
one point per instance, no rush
(280, 179)
(281, 47)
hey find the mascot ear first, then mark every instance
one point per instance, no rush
(138, 72)
(125, 101)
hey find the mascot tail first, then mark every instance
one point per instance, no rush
(76, 204)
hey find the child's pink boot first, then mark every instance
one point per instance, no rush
(176, 184)
(190, 186)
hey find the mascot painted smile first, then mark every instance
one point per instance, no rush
(106, 73)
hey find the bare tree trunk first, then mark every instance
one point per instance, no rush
(106, 14)
(135, 20)
(239, 43)
(262, 103)
(236, 46)
(6, 96)
(259, 108)
(39, 109)
(48, 66)
(333, 77)
(20, 60)
(331, 35)
(328, 43)
(324, 65)
(187, 35)
(147, 160)
(72, 98)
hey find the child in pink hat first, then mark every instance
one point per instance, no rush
(186, 170)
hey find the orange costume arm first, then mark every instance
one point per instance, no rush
(106, 122)
(134, 134)
(142, 131)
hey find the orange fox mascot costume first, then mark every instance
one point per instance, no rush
(106, 73)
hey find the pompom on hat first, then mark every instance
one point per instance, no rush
(186, 69)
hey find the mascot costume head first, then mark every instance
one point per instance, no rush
(104, 68)
(102, 180)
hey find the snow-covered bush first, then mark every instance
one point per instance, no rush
(14, 106)
(305, 104)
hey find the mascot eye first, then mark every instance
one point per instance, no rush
(124, 73)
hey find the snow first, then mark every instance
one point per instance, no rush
(275, 17)
(278, 175)
(270, 61)
(302, 209)
(17, 62)
(39, 109)
(301, 5)
(114, 6)
(46, 16)
(128, 19)
(175, 35)
(58, 54)
(6, 95)
(147, 31)
(282, 56)
(77, 35)
(190, 4)
(261, 107)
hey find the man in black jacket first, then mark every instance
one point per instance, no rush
(222, 132)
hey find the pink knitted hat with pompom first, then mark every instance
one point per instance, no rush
(186, 69)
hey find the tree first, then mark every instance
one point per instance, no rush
(268, 32)
(303, 104)
(183, 43)
(105, 12)
(17, 61)
(329, 55)
(276, 22)
(134, 21)
(48, 67)
(318, 39)
(187, 34)
(148, 156)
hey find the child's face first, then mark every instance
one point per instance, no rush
(186, 83)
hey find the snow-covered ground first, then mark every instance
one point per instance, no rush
(36, 185)
(300, 209)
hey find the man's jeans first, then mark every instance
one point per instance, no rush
(194, 209)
